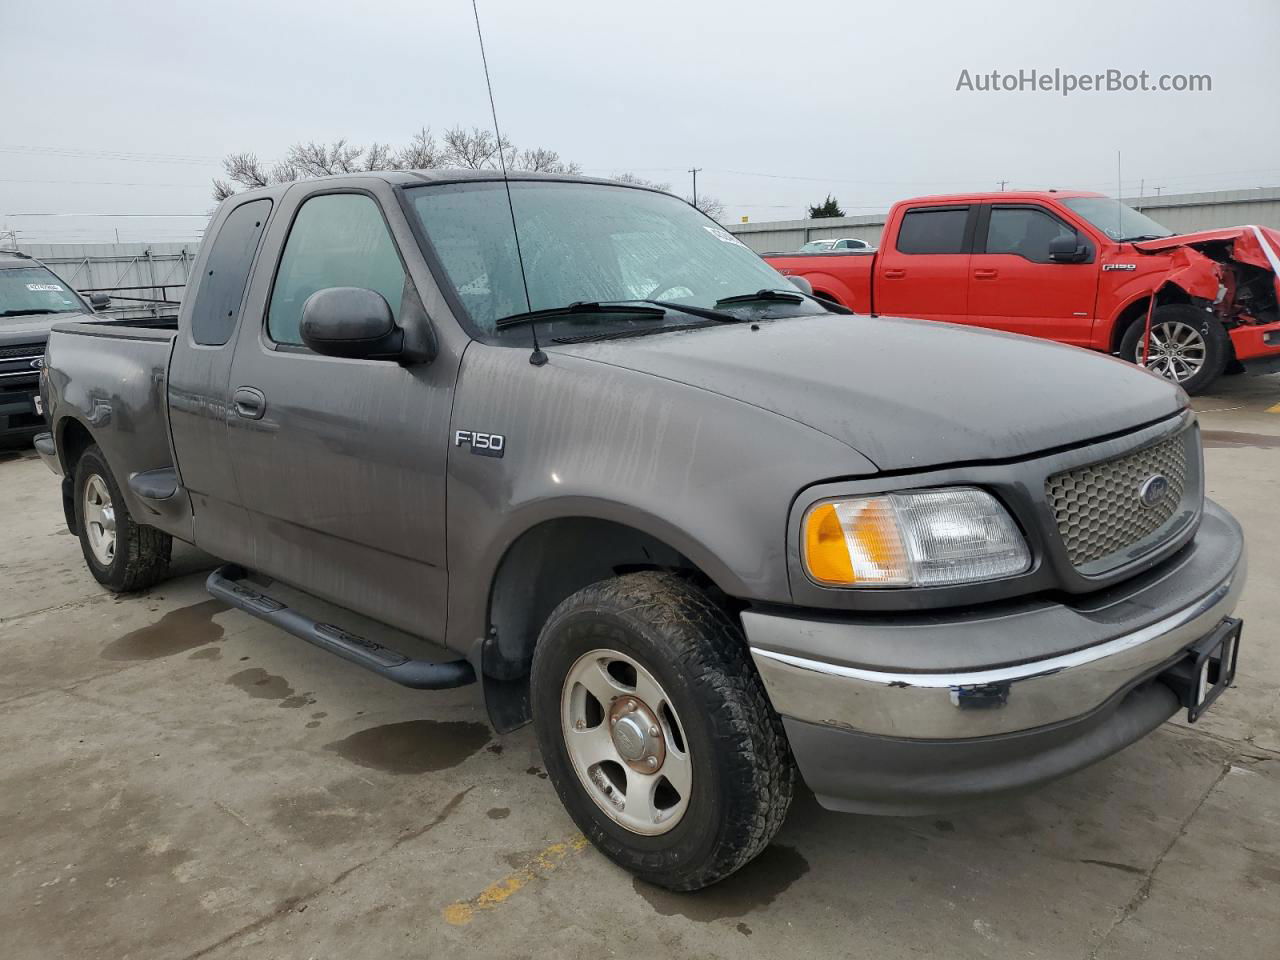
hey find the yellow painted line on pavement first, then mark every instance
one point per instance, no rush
(462, 912)
(1275, 409)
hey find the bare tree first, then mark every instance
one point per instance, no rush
(422, 152)
(378, 156)
(713, 207)
(316, 160)
(542, 160)
(244, 169)
(476, 149)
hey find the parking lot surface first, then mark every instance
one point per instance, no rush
(181, 781)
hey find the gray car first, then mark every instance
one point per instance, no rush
(32, 299)
(701, 529)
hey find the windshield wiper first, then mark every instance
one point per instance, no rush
(30, 313)
(1144, 236)
(637, 332)
(786, 296)
(578, 308)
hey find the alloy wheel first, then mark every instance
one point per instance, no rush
(626, 742)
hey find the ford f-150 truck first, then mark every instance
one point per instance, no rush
(700, 528)
(32, 299)
(1075, 267)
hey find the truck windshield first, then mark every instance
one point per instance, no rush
(585, 243)
(1117, 220)
(34, 290)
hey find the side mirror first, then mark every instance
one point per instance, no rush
(802, 284)
(1067, 249)
(351, 322)
(99, 301)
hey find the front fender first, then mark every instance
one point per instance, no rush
(709, 476)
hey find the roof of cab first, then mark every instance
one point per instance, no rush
(409, 178)
(1006, 195)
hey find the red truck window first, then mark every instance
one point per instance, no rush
(1024, 232)
(933, 231)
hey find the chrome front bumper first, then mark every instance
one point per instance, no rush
(1109, 649)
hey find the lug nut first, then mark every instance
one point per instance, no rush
(653, 731)
(652, 761)
(631, 704)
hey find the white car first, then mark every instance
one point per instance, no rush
(833, 246)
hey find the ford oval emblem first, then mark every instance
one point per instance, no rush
(1153, 489)
(37, 363)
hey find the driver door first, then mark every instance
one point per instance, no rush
(341, 462)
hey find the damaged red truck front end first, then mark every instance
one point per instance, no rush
(1234, 273)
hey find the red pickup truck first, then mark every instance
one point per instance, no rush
(1070, 266)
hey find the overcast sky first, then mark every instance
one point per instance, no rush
(126, 108)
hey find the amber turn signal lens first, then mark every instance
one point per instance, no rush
(825, 554)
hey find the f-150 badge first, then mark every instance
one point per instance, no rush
(482, 444)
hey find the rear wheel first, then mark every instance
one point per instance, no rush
(656, 732)
(1188, 346)
(122, 555)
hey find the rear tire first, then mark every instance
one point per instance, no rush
(1188, 346)
(722, 773)
(121, 554)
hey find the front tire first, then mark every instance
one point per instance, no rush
(122, 555)
(656, 731)
(1188, 346)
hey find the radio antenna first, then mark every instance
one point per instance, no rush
(537, 358)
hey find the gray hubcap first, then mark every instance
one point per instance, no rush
(626, 742)
(99, 520)
(1177, 350)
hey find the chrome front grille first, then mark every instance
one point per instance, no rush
(1099, 508)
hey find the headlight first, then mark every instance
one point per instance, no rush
(924, 539)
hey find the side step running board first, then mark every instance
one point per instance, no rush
(224, 583)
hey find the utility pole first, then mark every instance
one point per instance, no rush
(695, 171)
(1002, 184)
(1157, 190)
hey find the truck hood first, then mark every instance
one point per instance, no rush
(32, 329)
(907, 394)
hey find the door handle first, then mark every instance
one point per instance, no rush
(249, 403)
(894, 274)
(985, 274)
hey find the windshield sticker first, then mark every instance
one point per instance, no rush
(724, 236)
(44, 288)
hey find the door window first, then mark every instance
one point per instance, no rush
(933, 231)
(217, 303)
(1024, 232)
(337, 240)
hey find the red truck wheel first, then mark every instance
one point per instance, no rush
(1188, 346)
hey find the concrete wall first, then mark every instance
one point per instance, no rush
(1181, 213)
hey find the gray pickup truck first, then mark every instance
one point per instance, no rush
(701, 529)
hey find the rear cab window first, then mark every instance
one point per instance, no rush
(935, 230)
(217, 303)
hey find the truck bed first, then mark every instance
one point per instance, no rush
(843, 276)
(109, 379)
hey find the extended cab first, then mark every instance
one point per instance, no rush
(702, 529)
(32, 299)
(1075, 267)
